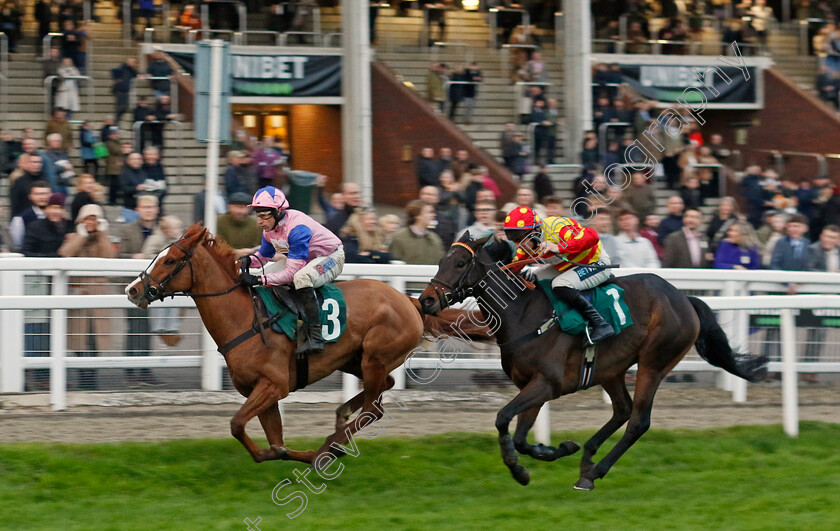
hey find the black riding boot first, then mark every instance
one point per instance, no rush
(599, 329)
(312, 341)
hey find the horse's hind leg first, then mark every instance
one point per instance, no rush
(272, 424)
(342, 414)
(524, 422)
(532, 396)
(647, 382)
(622, 407)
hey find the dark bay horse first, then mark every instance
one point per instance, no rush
(666, 324)
(383, 326)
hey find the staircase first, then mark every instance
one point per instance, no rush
(184, 160)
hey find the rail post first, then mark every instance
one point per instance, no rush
(58, 346)
(790, 397)
(12, 332)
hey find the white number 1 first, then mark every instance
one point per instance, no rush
(614, 294)
(331, 331)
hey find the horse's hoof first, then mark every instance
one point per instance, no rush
(280, 452)
(570, 447)
(584, 484)
(521, 474)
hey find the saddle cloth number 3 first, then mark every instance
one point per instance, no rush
(333, 328)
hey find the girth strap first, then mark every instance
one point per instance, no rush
(542, 329)
(248, 334)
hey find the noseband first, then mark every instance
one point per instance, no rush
(456, 292)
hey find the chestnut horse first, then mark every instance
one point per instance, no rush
(548, 364)
(383, 326)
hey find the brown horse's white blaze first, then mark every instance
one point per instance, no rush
(134, 295)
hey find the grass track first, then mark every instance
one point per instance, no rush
(733, 478)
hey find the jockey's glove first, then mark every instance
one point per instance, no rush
(248, 279)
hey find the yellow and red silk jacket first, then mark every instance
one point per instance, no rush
(578, 244)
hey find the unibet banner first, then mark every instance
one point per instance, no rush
(296, 75)
(665, 83)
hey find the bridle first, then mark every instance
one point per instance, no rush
(158, 293)
(456, 292)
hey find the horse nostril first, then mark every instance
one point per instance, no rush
(132, 292)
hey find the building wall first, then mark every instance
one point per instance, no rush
(316, 140)
(792, 120)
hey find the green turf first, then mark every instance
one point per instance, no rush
(736, 478)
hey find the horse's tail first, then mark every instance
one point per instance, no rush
(454, 323)
(713, 346)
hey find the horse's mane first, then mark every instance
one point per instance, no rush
(219, 249)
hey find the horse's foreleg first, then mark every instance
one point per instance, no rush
(622, 407)
(647, 382)
(532, 396)
(264, 395)
(524, 422)
(272, 424)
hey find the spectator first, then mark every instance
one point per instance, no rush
(444, 161)
(690, 192)
(525, 197)
(70, 41)
(542, 184)
(56, 164)
(740, 248)
(363, 239)
(416, 243)
(89, 330)
(239, 176)
(673, 221)
(132, 180)
(435, 81)
(143, 112)
(132, 236)
(827, 86)
(266, 161)
(159, 67)
(726, 215)
(123, 76)
(517, 155)
(219, 204)
(687, 247)
(473, 75)
(59, 124)
(113, 164)
(456, 90)
(189, 18)
(535, 70)
(822, 256)
(238, 227)
(506, 142)
(155, 183)
(640, 195)
(460, 165)
(633, 250)
(39, 195)
(87, 151)
(753, 194)
(450, 208)
(553, 207)
(791, 251)
(105, 131)
(760, 17)
(44, 236)
(44, 16)
(85, 192)
(10, 23)
(352, 195)
(589, 155)
(485, 218)
(648, 231)
(165, 322)
(428, 169)
(162, 114)
(770, 234)
(336, 200)
(389, 224)
(23, 178)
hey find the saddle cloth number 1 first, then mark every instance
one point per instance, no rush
(612, 292)
(332, 329)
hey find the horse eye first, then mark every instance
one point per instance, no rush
(169, 261)
(461, 263)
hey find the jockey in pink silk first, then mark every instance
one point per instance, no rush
(315, 256)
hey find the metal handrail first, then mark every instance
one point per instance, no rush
(327, 41)
(436, 47)
(135, 128)
(656, 44)
(426, 30)
(493, 14)
(602, 135)
(779, 158)
(173, 94)
(126, 21)
(208, 33)
(721, 176)
(47, 44)
(241, 37)
(504, 55)
(91, 94)
(316, 37)
(518, 88)
(240, 8)
(559, 32)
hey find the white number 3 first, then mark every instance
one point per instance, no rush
(333, 329)
(614, 294)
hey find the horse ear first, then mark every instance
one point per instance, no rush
(479, 243)
(499, 251)
(465, 237)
